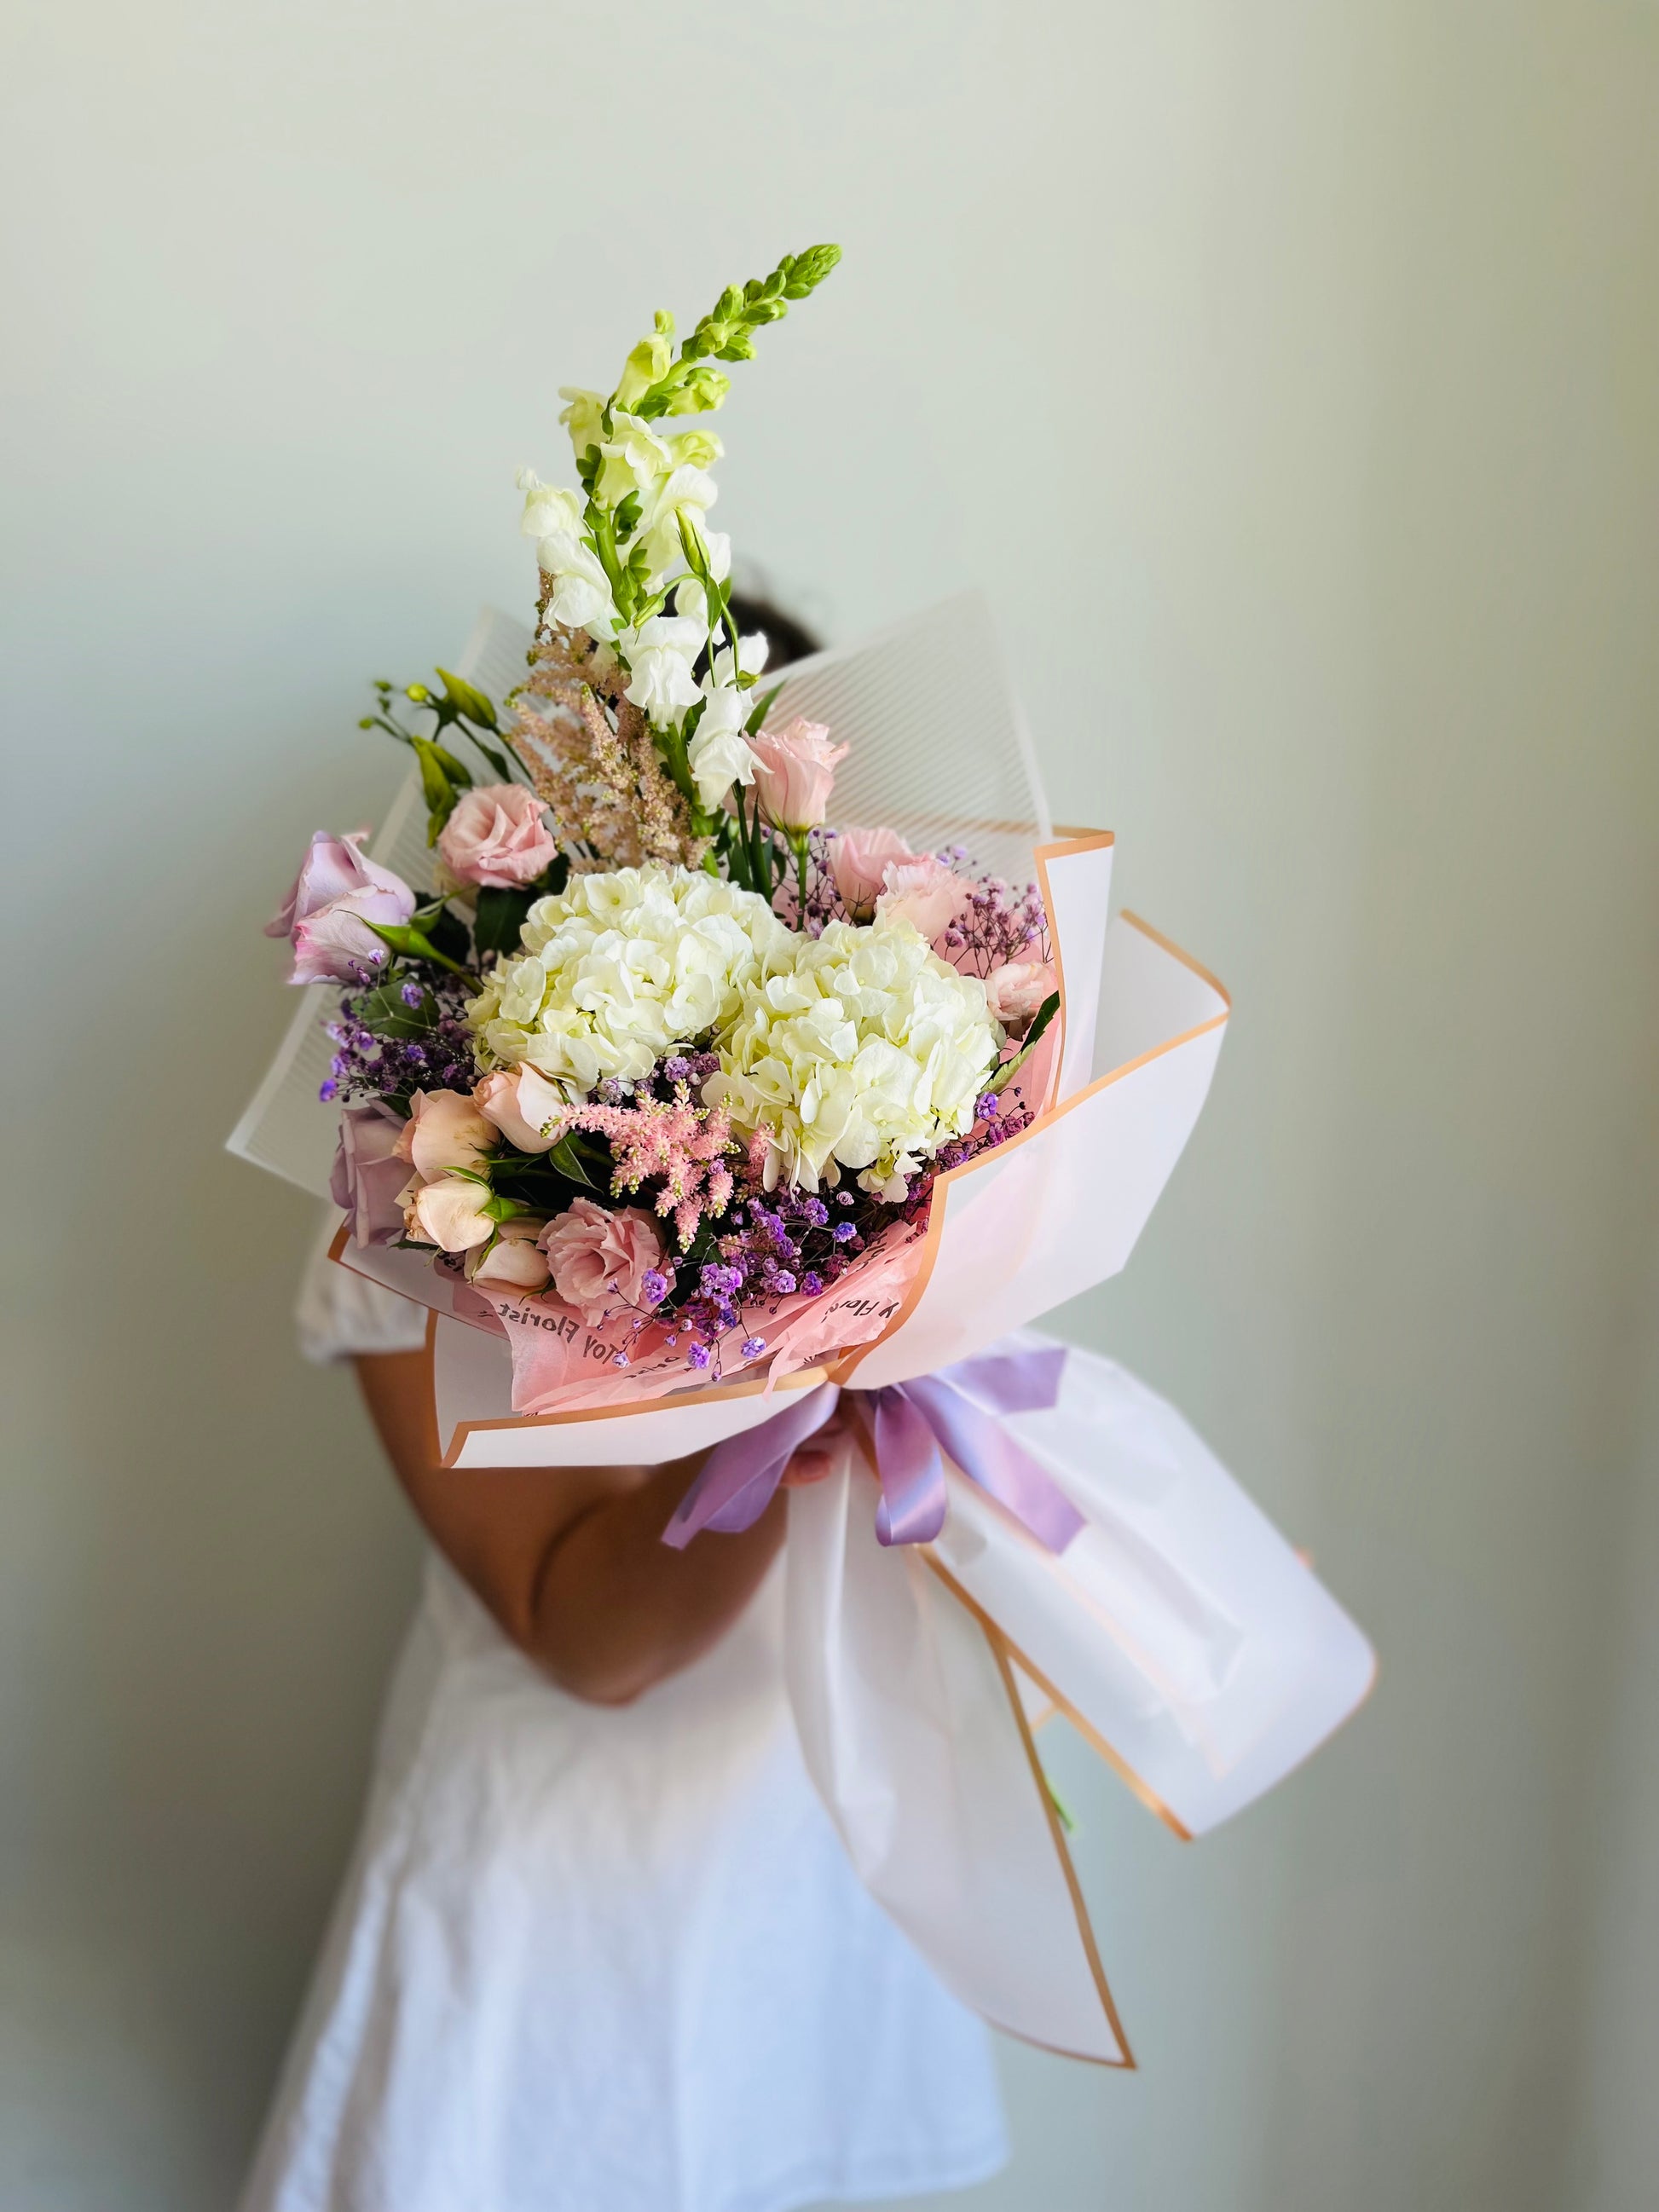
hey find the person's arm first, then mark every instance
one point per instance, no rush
(570, 1560)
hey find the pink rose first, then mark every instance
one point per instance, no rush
(520, 1102)
(444, 1130)
(449, 1214)
(1015, 991)
(794, 768)
(925, 893)
(599, 1258)
(369, 1173)
(858, 861)
(514, 1261)
(336, 895)
(497, 836)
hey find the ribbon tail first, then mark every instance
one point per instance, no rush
(989, 1455)
(910, 1469)
(737, 1481)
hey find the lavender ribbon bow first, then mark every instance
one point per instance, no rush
(914, 1425)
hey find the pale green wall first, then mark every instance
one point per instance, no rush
(1288, 374)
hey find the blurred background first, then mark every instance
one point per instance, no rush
(1288, 375)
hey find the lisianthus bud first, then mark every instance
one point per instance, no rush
(795, 770)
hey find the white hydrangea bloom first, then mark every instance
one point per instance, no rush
(865, 1053)
(620, 968)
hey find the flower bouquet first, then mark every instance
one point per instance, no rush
(693, 1115)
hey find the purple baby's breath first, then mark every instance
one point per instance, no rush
(783, 1282)
(412, 993)
(811, 1282)
(328, 1091)
(698, 1355)
(653, 1286)
(844, 1231)
(752, 1347)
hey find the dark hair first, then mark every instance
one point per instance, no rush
(788, 639)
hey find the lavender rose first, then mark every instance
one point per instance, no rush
(369, 1173)
(336, 894)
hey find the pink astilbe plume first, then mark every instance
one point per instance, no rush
(672, 1142)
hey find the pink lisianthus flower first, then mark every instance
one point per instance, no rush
(522, 1104)
(369, 1173)
(1015, 991)
(444, 1130)
(859, 860)
(514, 1261)
(498, 836)
(600, 1259)
(449, 1214)
(794, 769)
(925, 893)
(336, 894)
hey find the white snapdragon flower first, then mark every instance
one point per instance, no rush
(660, 655)
(686, 490)
(865, 1053)
(547, 510)
(720, 753)
(635, 459)
(647, 364)
(620, 968)
(581, 590)
(583, 417)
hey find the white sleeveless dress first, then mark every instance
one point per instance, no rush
(592, 1959)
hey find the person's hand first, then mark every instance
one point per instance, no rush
(816, 1457)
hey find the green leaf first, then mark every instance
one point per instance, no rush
(414, 944)
(448, 933)
(436, 786)
(468, 700)
(756, 721)
(497, 760)
(499, 917)
(565, 1157)
(1045, 1014)
(383, 1011)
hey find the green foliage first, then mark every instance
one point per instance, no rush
(461, 709)
(1010, 1068)
(383, 1011)
(414, 944)
(500, 910)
